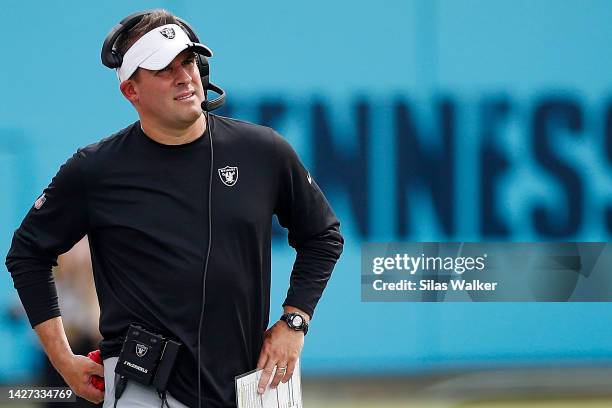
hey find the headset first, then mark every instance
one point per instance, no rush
(111, 58)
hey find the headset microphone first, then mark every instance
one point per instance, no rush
(207, 105)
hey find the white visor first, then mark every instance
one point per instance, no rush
(156, 49)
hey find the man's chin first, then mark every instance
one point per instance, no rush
(189, 115)
(188, 118)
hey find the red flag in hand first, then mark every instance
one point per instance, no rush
(96, 380)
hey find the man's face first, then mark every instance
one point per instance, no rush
(159, 96)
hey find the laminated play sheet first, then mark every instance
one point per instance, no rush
(287, 395)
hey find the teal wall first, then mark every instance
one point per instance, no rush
(422, 120)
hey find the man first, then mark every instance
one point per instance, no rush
(142, 196)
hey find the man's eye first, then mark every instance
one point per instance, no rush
(190, 61)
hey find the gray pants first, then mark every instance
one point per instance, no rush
(135, 394)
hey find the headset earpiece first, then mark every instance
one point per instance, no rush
(201, 60)
(110, 56)
(204, 69)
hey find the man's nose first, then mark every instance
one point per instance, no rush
(183, 76)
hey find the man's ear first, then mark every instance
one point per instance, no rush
(129, 90)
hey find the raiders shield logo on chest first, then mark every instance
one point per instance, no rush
(229, 175)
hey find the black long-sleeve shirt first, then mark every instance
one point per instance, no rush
(144, 206)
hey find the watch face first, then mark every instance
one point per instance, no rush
(297, 321)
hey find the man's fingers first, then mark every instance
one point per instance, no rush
(261, 362)
(87, 390)
(265, 376)
(290, 369)
(91, 394)
(279, 374)
(96, 397)
(97, 369)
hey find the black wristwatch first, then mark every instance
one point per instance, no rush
(295, 321)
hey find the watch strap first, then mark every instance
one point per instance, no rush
(287, 318)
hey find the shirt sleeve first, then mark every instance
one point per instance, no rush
(56, 221)
(314, 229)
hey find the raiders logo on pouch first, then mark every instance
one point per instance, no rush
(141, 350)
(229, 175)
(168, 32)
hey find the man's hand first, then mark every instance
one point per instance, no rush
(281, 348)
(77, 372)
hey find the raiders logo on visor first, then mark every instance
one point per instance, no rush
(168, 32)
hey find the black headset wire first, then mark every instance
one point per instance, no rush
(162, 395)
(210, 176)
(164, 399)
